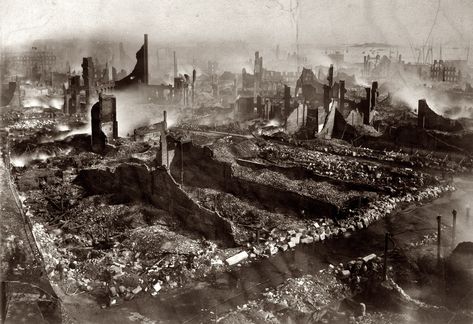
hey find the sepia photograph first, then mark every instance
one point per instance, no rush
(249, 161)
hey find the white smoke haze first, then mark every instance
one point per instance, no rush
(361, 82)
(62, 128)
(319, 59)
(273, 122)
(438, 101)
(42, 101)
(25, 159)
(84, 129)
(131, 114)
(407, 89)
(38, 155)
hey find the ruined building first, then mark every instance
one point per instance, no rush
(276, 107)
(104, 122)
(10, 94)
(312, 92)
(264, 82)
(78, 95)
(88, 74)
(429, 119)
(72, 96)
(441, 71)
(36, 65)
(139, 75)
(258, 72)
(138, 80)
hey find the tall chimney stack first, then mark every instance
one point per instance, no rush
(194, 75)
(374, 94)
(330, 77)
(341, 95)
(175, 64)
(145, 54)
(165, 114)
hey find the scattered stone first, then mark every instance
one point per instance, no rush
(157, 287)
(237, 258)
(113, 291)
(345, 273)
(307, 240)
(369, 257)
(122, 289)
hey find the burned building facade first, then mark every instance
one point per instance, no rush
(72, 96)
(35, 65)
(444, 72)
(104, 122)
(277, 107)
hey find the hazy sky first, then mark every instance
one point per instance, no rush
(321, 21)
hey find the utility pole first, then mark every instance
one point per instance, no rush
(182, 164)
(468, 215)
(385, 260)
(439, 236)
(454, 226)
(3, 292)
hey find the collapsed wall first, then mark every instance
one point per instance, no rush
(201, 169)
(7, 93)
(157, 187)
(335, 126)
(429, 119)
(413, 136)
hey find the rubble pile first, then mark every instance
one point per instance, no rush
(306, 187)
(360, 273)
(308, 291)
(33, 124)
(104, 245)
(310, 298)
(231, 128)
(392, 179)
(116, 248)
(141, 260)
(246, 217)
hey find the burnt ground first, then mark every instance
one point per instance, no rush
(22, 267)
(263, 197)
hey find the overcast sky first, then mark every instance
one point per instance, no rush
(322, 22)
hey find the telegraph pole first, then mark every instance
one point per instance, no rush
(439, 236)
(385, 260)
(454, 226)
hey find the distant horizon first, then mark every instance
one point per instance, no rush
(268, 22)
(195, 43)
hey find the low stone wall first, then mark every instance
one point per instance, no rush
(320, 230)
(157, 187)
